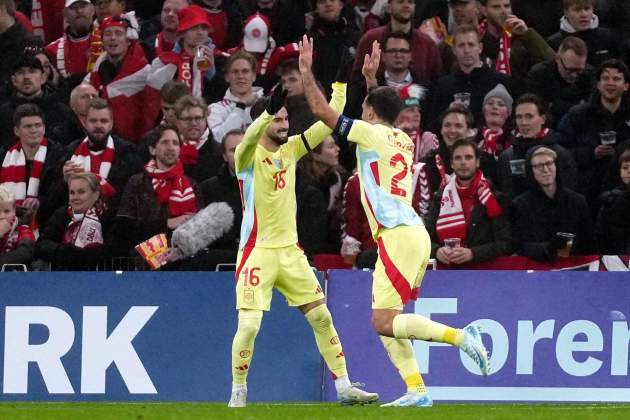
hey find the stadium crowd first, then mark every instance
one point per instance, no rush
(119, 120)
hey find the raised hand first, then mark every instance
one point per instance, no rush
(306, 54)
(371, 62)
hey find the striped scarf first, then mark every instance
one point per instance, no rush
(189, 150)
(84, 229)
(505, 45)
(173, 187)
(13, 173)
(451, 222)
(84, 157)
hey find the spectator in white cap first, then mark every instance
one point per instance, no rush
(258, 41)
(75, 53)
(495, 128)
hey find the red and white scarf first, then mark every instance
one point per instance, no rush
(187, 70)
(103, 159)
(172, 187)
(13, 173)
(421, 189)
(95, 50)
(189, 150)
(505, 45)
(161, 45)
(444, 177)
(490, 141)
(85, 229)
(451, 222)
(12, 238)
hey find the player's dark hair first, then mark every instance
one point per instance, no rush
(385, 102)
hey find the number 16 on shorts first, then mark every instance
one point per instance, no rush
(250, 279)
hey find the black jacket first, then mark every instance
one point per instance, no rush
(514, 184)
(56, 114)
(544, 80)
(208, 162)
(613, 222)
(536, 219)
(487, 237)
(478, 83)
(140, 215)
(319, 229)
(223, 187)
(600, 42)
(579, 132)
(330, 40)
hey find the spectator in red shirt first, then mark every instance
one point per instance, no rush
(426, 63)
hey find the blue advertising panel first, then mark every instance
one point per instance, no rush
(144, 336)
(553, 336)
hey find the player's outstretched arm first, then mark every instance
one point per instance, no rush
(244, 153)
(316, 100)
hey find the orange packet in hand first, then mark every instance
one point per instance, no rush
(154, 250)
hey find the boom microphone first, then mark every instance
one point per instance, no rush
(205, 227)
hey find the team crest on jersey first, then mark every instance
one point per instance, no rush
(278, 163)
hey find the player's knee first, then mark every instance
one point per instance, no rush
(249, 323)
(382, 324)
(319, 317)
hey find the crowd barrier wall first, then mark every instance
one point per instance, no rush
(554, 336)
(169, 336)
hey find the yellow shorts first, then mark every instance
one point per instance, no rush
(259, 270)
(403, 255)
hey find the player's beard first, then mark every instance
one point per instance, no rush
(279, 137)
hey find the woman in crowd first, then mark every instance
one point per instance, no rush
(319, 193)
(494, 133)
(73, 239)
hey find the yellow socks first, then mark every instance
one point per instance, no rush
(243, 344)
(327, 340)
(417, 327)
(401, 354)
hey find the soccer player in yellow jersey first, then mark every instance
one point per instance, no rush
(384, 158)
(269, 254)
